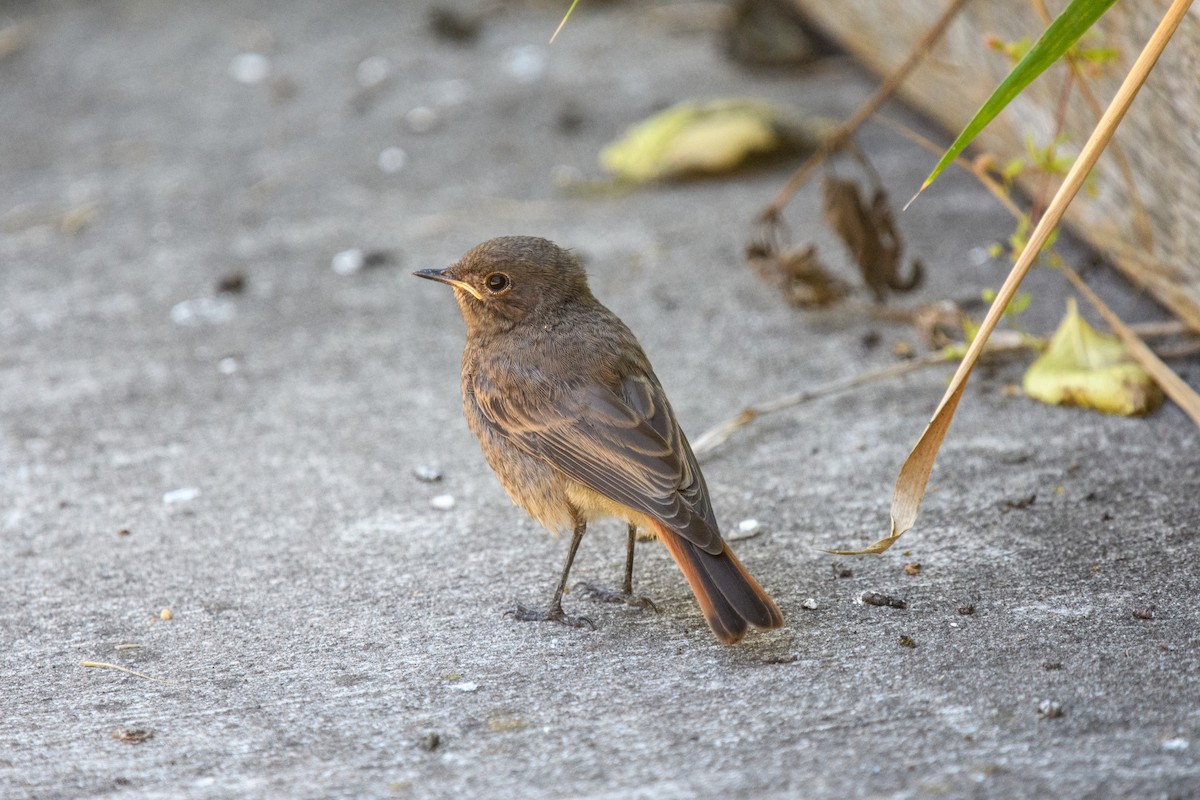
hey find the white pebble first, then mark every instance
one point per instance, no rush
(372, 71)
(1176, 745)
(810, 603)
(466, 686)
(392, 160)
(421, 119)
(749, 526)
(249, 68)
(426, 473)
(443, 502)
(525, 63)
(453, 92)
(227, 365)
(200, 310)
(182, 495)
(979, 256)
(348, 262)
(1050, 709)
(563, 175)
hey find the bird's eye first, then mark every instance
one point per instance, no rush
(497, 282)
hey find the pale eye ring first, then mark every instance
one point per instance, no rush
(497, 283)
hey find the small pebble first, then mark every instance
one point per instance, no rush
(565, 175)
(749, 526)
(466, 686)
(429, 742)
(421, 119)
(525, 63)
(392, 160)
(182, 495)
(810, 603)
(232, 283)
(426, 473)
(966, 610)
(165, 615)
(787, 658)
(1145, 612)
(124, 532)
(454, 25)
(348, 262)
(907, 641)
(880, 599)
(912, 569)
(1176, 745)
(443, 502)
(979, 256)
(249, 68)
(453, 92)
(227, 365)
(201, 310)
(372, 71)
(1050, 709)
(131, 735)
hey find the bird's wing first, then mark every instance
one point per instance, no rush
(622, 443)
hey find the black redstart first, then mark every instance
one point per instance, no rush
(576, 426)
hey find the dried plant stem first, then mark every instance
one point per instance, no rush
(126, 670)
(717, 435)
(842, 134)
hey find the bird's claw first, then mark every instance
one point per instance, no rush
(556, 614)
(601, 594)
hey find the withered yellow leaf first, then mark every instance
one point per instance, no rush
(706, 137)
(1083, 367)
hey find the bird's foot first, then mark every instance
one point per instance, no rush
(552, 614)
(601, 594)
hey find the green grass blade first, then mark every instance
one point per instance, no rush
(566, 17)
(1078, 17)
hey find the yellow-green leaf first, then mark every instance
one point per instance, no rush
(710, 136)
(1083, 367)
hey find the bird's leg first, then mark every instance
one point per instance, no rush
(626, 595)
(555, 612)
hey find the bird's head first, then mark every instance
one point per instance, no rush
(511, 280)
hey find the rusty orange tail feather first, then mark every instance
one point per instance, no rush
(729, 597)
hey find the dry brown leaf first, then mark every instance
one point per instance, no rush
(870, 234)
(799, 275)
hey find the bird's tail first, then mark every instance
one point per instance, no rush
(730, 599)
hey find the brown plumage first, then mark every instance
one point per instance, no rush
(575, 424)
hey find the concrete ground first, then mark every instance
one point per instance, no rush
(246, 459)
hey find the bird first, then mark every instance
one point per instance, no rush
(576, 425)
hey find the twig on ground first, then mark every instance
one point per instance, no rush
(717, 435)
(127, 671)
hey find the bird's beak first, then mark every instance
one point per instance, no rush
(447, 276)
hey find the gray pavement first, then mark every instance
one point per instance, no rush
(333, 634)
